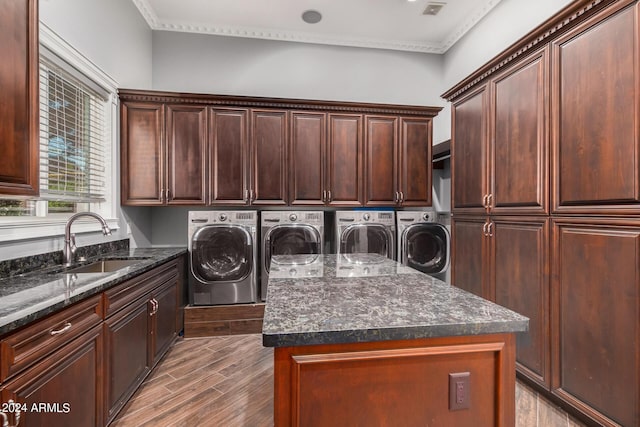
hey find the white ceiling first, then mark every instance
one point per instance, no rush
(381, 24)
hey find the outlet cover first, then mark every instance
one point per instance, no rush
(459, 391)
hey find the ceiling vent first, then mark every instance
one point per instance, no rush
(433, 8)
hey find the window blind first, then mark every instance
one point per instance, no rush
(72, 134)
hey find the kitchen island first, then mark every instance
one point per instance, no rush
(363, 340)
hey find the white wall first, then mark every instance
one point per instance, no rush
(251, 67)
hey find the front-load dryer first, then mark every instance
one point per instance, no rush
(423, 244)
(368, 231)
(290, 233)
(222, 257)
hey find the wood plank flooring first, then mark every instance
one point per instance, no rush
(222, 381)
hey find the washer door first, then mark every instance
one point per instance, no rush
(366, 238)
(426, 247)
(221, 253)
(292, 239)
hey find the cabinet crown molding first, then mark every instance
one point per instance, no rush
(131, 95)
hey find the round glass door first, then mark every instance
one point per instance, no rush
(426, 247)
(367, 239)
(290, 240)
(221, 253)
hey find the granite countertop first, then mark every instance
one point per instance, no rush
(31, 296)
(365, 298)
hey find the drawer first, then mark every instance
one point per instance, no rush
(33, 342)
(119, 296)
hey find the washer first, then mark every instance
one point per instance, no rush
(370, 231)
(290, 233)
(222, 257)
(423, 244)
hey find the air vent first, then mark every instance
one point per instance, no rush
(433, 8)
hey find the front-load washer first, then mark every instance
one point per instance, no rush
(423, 244)
(223, 257)
(290, 233)
(368, 231)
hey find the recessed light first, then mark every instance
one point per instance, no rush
(433, 8)
(311, 16)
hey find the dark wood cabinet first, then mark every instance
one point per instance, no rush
(19, 109)
(164, 329)
(381, 161)
(468, 254)
(596, 334)
(229, 156)
(269, 172)
(414, 156)
(186, 155)
(344, 160)
(595, 98)
(308, 145)
(142, 153)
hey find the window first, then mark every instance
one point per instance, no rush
(77, 144)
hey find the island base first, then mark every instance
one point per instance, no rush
(397, 383)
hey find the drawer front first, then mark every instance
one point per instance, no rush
(119, 296)
(30, 344)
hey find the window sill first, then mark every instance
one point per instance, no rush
(24, 228)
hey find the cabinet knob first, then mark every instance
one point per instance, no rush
(329, 196)
(490, 229)
(489, 200)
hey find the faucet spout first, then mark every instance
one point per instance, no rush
(69, 239)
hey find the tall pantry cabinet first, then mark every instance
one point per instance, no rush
(546, 203)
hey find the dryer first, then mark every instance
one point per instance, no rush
(366, 231)
(222, 257)
(290, 233)
(423, 244)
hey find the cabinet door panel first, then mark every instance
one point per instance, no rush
(595, 117)
(165, 319)
(186, 154)
(381, 160)
(415, 157)
(69, 380)
(19, 109)
(269, 145)
(128, 354)
(519, 165)
(142, 165)
(520, 275)
(597, 303)
(306, 160)
(468, 249)
(469, 153)
(344, 159)
(229, 156)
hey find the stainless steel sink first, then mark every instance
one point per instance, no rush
(104, 266)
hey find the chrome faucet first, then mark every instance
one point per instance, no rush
(70, 239)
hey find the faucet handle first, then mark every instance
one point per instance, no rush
(72, 244)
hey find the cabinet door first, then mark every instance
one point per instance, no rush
(415, 162)
(596, 303)
(381, 160)
(19, 110)
(520, 281)
(128, 356)
(306, 161)
(228, 156)
(468, 254)
(269, 157)
(69, 381)
(164, 319)
(344, 160)
(595, 99)
(186, 155)
(469, 153)
(519, 182)
(142, 153)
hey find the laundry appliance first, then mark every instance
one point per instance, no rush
(365, 231)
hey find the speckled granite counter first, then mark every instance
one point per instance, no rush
(370, 298)
(28, 297)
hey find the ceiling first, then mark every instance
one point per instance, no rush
(379, 24)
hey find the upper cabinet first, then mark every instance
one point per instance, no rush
(595, 104)
(237, 151)
(500, 143)
(19, 107)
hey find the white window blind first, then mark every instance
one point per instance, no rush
(72, 135)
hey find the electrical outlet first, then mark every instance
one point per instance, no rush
(459, 391)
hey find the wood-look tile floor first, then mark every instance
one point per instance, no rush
(201, 382)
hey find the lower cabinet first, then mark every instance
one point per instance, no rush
(75, 369)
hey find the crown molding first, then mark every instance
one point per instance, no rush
(157, 24)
